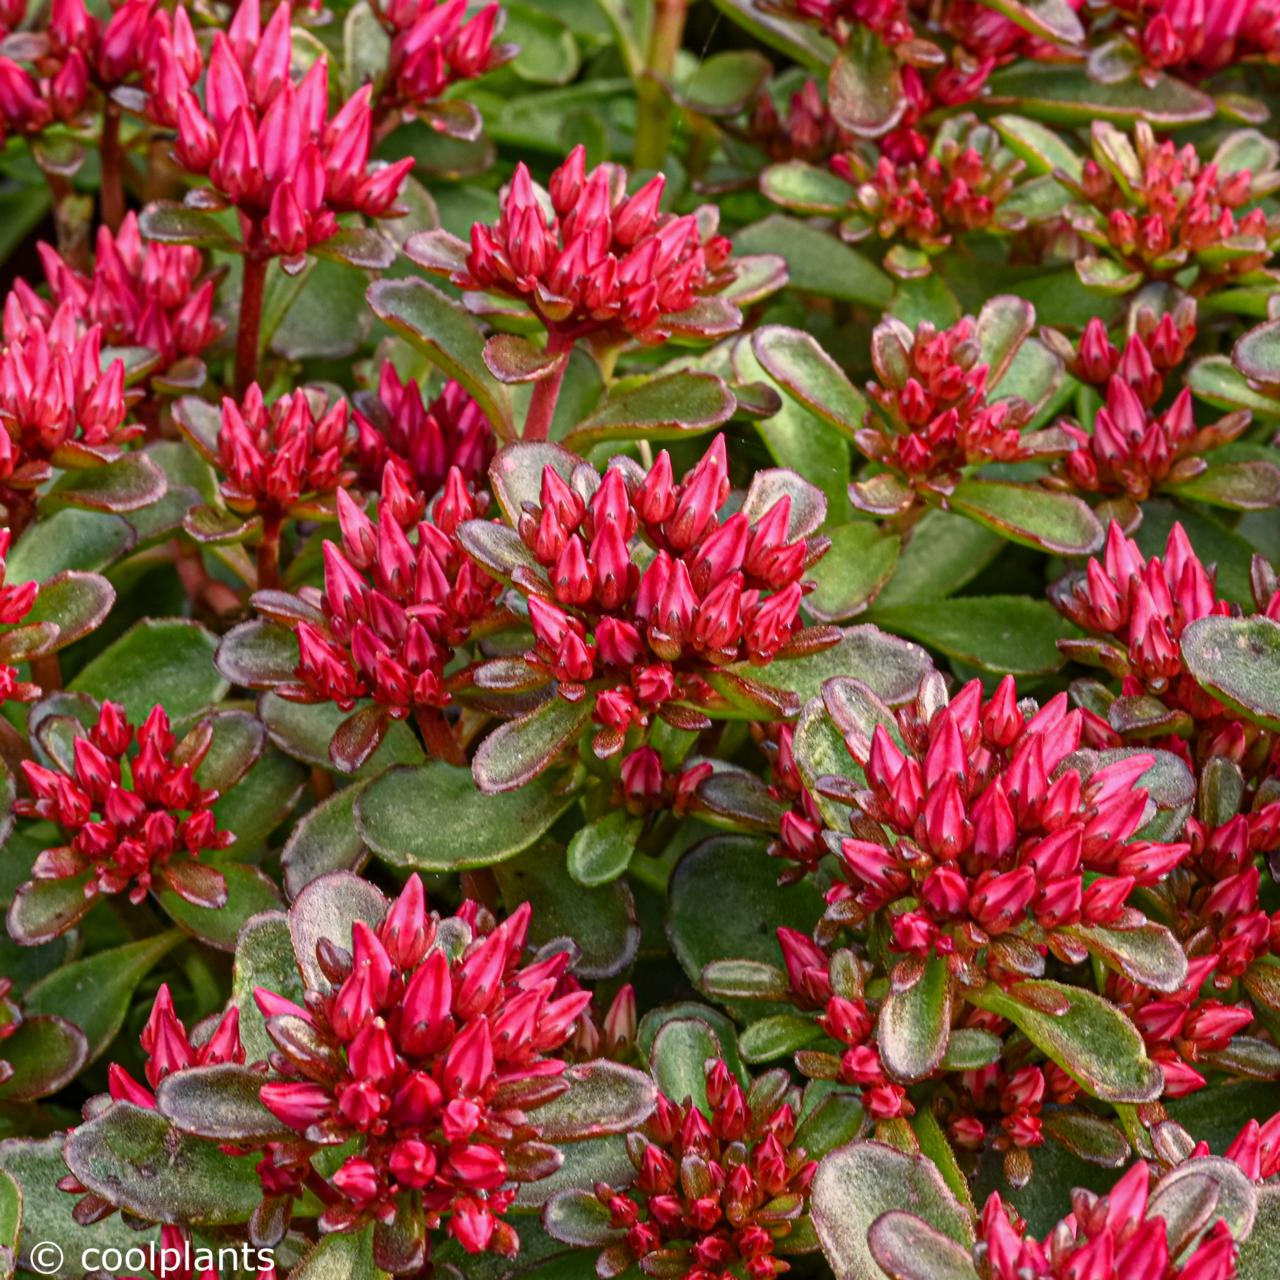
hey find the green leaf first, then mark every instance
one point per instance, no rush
(798, 41)
(602, 850)
(1149, 954)
(548, 52)
(1052, 20)
(218, 1102)
(340, 1256)
(518, 751)
(323, 840)
(817, 262)
(1087, 1036)
(1056, 522)
(304, 732)
(915, 1023)
(1065, 95)
(724, 83)
(132, 482)
(449, 337)
(249, 892)
(46, 1053)
(1257, 354)
(892, 667)
(809, 375)
(907, 1248)
(75, 603)
(735, 874)
(678, 1058)
(326, 318)
(264, 958)
(167, 662)
(397, 816)
(1259, 1256)
(1005, 634)
(95, 993)
(856, 1184)
(37, 1166)
(805, 187)
(601, 921)
(1215, 380)
(1237, 660)
(361, 247)
(1251, 485)
(777, 1036)
(864, 91)
(852, 573)
(942, 554)
(171, 223)
(68, 539)
(602, 1098)
(668, 407)
(43, 909)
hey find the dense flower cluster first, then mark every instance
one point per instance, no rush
(393, 610)
(275, 456)
(992, 831)
(430, 1054)
(270, 147)
(958, 187)
(714, 1192)
(638, 633)
(142, 294)
(133, 823)
(425, 441)
(16, 601)
(1196, 38)
(807, 132)
(1172, 211)
(932, 416)
(55, 396)
(1138, 610)
(1109, 1235)
(598, 263)
(434, 46)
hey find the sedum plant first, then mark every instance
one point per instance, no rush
(640, 638)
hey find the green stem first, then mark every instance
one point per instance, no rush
(653, 119)
(251, 290)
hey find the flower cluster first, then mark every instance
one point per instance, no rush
(270, 148)
(989, 830)
(16, 601)
(932, 416)
(133, 823)
(56, 398)
(806, 133)
(1137, 610)
(275, 457)
(141, 294)
(1111, 1235)
(1170, 211)
(957, 188)
(430, 1054)
(1195, 38)
(634, 631)
(393, 610)
(712, 1193)
(598, 263)
(434, 46)
(424, 441)
(169, 1047)
(77, 54)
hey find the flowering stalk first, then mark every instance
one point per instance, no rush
(653, 109)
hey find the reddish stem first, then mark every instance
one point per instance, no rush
(546, 394)
(112, 189)
(46, 672)
(252, 287)
(269, 552)
(438, 736)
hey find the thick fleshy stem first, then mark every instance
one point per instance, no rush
(251, 291)
(438, 736)
(112, 190)
(269, 552)
(653, 119)
(542, 404)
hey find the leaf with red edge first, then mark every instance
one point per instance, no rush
(513, 359)
(46, 1053)
(519, 750)
(668, 407)
(76, 603)
(915, 1024)
(43, 909)
(602, 1098)
(864, 91)
(1237, 660)
(358, 737)
(908, 1248)
(515, 474)
(197, 883)
(1057, 522)
(133, 482)
(258, 655)
(810, 376)
(1249, 485)
(361, 247)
